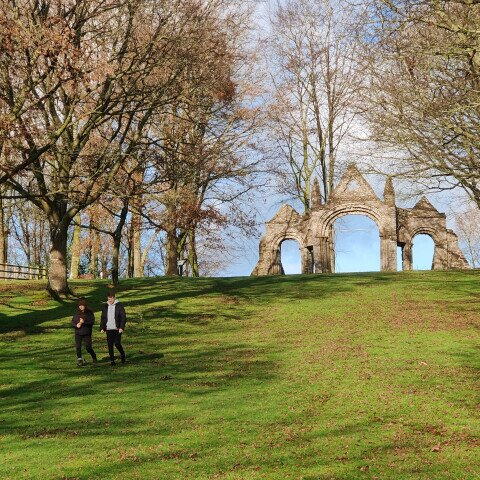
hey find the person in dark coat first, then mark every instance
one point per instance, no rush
(82, 322)
(113, 322)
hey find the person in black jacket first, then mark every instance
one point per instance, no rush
(82, 322)
(112, 322)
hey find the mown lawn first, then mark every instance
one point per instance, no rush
(371, 376)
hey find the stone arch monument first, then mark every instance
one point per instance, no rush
(353, 195)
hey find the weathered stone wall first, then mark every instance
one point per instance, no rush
(353, 195)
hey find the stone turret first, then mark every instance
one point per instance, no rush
(389, 192)
(316, 197)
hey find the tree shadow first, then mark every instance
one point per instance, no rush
(139, 293)
(147, 294)
(31, 320)
(170, 362)
(195, 372)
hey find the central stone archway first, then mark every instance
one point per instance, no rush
(354, 196)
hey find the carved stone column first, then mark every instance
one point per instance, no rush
(407, 259)
(322, 255)
(456, 258)
(316, 258)
(307, 259)
(270, 262)
(276, 267)
(388, 253)
(440, 257)
(331, 247)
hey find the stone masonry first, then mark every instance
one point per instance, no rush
(354, 195)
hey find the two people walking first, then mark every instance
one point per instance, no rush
(112, 322)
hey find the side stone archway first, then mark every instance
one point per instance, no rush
(424, 218)
(354, 195)
(287, 224)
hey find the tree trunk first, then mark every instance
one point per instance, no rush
(136, 245)
(75, 249)
(130, 252)
(57, 271)
(115, 259)
(117, 239)
(171, 253)
(136, 223)
(192, 253)
(104, 266)
(3, 235)
(94, 247)
(148, 247)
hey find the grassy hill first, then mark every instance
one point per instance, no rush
(371, 376)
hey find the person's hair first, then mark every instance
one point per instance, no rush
(82, 301)
(111, 294)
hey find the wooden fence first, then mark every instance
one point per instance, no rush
(20, 272)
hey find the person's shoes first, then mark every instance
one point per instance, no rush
(112, 364)
(123, 359)
(80, 362)
(94, 360)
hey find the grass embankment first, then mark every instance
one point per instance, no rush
(369, 376)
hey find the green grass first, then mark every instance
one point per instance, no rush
(371, 376)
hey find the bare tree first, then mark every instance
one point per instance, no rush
(467, 227)
(205, 143)
(29, 233)
(314, 79)
(421, 104)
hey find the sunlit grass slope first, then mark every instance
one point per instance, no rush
(369, 376)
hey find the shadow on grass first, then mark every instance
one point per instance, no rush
(31, 320)
(177, 363)
(188, 371)
(139, 294)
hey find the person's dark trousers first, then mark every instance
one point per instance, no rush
(114, 337)
(87, 340)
